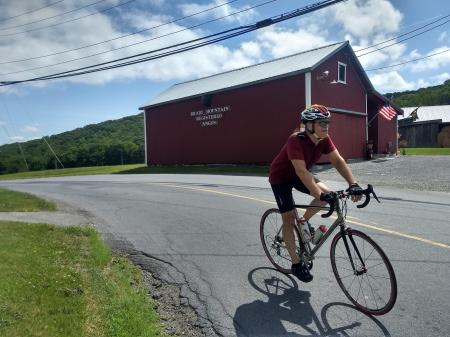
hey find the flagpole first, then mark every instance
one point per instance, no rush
(368, 123)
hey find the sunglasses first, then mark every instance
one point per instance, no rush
(324, 123)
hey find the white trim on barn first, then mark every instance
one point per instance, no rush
(307, 89)
(350, 112)
(145, 136)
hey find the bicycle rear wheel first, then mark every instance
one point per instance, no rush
(371, 285)
(272, 241)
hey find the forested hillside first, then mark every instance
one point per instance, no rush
(437, 95)
(107, 143)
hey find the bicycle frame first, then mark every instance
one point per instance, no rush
(340, 221)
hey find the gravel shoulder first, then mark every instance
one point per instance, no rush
(423, 173)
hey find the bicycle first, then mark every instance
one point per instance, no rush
(354, 255)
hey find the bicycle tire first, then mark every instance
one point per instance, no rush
(381, 278)
(274, 248)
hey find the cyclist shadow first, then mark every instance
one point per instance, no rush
(289, 306)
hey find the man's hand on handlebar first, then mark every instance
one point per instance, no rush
(328, 197)
(355, 192)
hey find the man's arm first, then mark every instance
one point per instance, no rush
(341, 166)
(306, 177)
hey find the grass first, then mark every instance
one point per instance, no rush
(76, 171)
(261, 170)
(432, 151)
(65, 282)
(11, 201)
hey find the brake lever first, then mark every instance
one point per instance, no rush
(375, 196)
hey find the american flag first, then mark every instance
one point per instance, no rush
(387, 112)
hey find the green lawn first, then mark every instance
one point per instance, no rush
(261, 170)
(12, 201)
(65, 282)
(76, 171)
(432, 151)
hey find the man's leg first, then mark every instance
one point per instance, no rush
(310, 212)
(289, 235)
(285, 202)
(299, 268)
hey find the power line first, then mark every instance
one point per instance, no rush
(32, 11)
(408, 38)
(7, 133)
(414, 60)
(127, 35)
(144, 41)
(64, 22)
(407, 33)
(213, 39)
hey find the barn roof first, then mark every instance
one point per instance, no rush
(282, 67)
(427, 113)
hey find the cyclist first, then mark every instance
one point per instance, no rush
(290, 169)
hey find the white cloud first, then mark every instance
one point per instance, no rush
(367, 18)
(17, 138)
(251, 49)
(2, 123)
(29, 129)
(434, 62)
(224, 10)
(443, 37)
(200, 62)
(441, 78)
(392, 81)
(363, 22)
(282, 42)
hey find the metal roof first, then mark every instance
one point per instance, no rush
(282, 67)
(427, 113)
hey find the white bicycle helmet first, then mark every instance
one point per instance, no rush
(315, 111)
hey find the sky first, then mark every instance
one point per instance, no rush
(44, 37)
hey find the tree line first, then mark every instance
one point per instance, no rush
(107, 143)
(436, 95)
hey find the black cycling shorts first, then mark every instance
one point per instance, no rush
(283, 194)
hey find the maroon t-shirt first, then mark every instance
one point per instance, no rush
(298, 146)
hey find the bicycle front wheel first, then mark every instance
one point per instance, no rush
(272, 240)
(369, 283)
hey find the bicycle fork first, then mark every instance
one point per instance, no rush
(347, 232)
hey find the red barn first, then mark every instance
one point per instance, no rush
(245, 115)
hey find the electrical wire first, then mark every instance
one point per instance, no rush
(404, 34)
(215, 38)
(144, 41)
(32, 11)
(414, 60)
(145, 30)
(64, 22)
(408, 38)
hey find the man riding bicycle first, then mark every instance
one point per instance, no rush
(290, 169)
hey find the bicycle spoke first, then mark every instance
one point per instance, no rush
(371, 288)
(352, 274)
(374, 290)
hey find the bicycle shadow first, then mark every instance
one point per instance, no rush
(288, 310)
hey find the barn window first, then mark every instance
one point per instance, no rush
(342, 72)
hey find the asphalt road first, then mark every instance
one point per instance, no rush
(202, 232)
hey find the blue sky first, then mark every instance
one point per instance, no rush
(30, 111)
